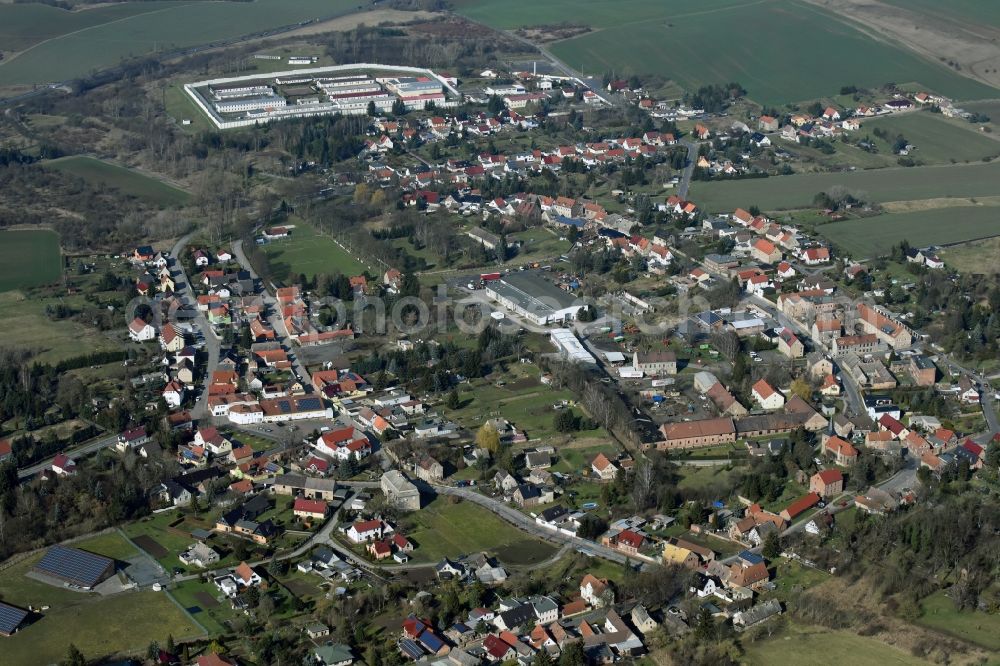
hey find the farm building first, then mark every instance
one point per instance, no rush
(74, 566)
(11, 619)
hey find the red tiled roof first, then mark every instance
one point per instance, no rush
(828, 476)
(802, 504)
(316, 507)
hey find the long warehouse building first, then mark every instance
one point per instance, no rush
(534, 298)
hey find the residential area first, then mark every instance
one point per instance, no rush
(476, 368)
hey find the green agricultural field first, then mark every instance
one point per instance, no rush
(29, 258)
(719, 41)
(79, 45)
(973, 626)
(938, 140)
(139, 185)
(443, 529)
(25, 25)
(879, 186)
(99, 626)
(864, 238)
(307, 251)
(806, 646)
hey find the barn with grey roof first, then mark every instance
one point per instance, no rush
(74, 566)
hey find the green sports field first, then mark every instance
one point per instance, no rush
(865, 238)
(29, 258)
(59, 45)
(139, 185)
(780, 50)
(881, 185)
(310, 252)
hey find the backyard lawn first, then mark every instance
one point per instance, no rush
(980, 257)
(205, 603)
(521, 399)
(29, 258)
(446, 529)
(938, 140)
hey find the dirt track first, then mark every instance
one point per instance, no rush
(371, 18)
(974, 48)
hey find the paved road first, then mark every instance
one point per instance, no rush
(986, 399)
(855, 404)
(692, 158)
(212, 343)
(76, 453)
(527, 524)
(274, 316)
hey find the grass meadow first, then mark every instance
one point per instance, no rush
(56, 45)
(939, 613)
(29, 258)
(446, 529)
(23, 323)
(981, 257)
(139, 185)
(98, 626)
(780, 50)
(806, 646)
(938, 140)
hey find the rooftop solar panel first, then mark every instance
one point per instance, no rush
(75, 566)
(11, 618)
(310, 404)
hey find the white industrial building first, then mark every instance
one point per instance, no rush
(570, 347)
(534, 298)
(251, 104)
(222, 100)
(240, 91)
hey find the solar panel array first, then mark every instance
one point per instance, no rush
(11, 618)
(74, 565)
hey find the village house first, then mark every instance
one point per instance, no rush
(603, 468)
(766, 396)
(827, 482)
(842, 451)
